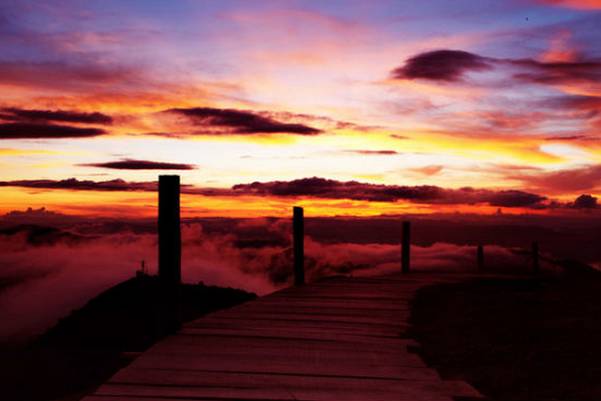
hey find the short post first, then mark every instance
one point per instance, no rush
(535, 265)
(169, 251)
(480, 257)
(298, 229)
(406, 247)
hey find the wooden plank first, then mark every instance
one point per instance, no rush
(326, 327)
(306, 390)
(316, 307)
(337, 339)
(315, 316)
(309, 354)
(268, 340)
(293, 333)
(351, 365)
(308, 321)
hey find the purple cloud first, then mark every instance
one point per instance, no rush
(69, 116)
(83, 185)
(452, 65)
(230, 121)
(441, 65)
(332, 189)
(45, 131)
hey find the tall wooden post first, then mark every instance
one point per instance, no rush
(298, 228)
(480, 257)
(169, 251)
(406, 247)
(535, 265)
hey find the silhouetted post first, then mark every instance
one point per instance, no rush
(142, 272)
(169, 250)
(406, 247)
(535, 265)
(480, 253)
(298, 228)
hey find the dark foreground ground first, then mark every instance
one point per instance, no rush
(83, 350)
(522, 339)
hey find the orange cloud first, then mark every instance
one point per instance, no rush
(587, 178)
(560, 50)
(577, 4)
(428, 170)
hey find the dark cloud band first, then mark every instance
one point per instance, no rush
(132, 164)
(316, 187)
(45, 131)
(27, 115)
(369, 152)
(452, 65)
(332, 189)
(441, 65)
(83, 185)
(230, 121)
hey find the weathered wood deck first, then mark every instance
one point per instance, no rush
(338, 339)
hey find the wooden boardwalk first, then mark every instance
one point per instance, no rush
(338, 339)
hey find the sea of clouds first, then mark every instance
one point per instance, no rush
(46, 273)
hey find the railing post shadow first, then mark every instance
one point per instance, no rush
(406, 247)
(169, 253)
(535, 263)
(298, 242)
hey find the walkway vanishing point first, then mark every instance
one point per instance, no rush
(338, 339)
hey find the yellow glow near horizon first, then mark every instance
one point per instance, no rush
(133, 204)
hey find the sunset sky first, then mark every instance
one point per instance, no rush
(345, 107)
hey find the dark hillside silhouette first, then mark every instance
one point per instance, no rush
(85, 348)
(124, 318)
(515, 339)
